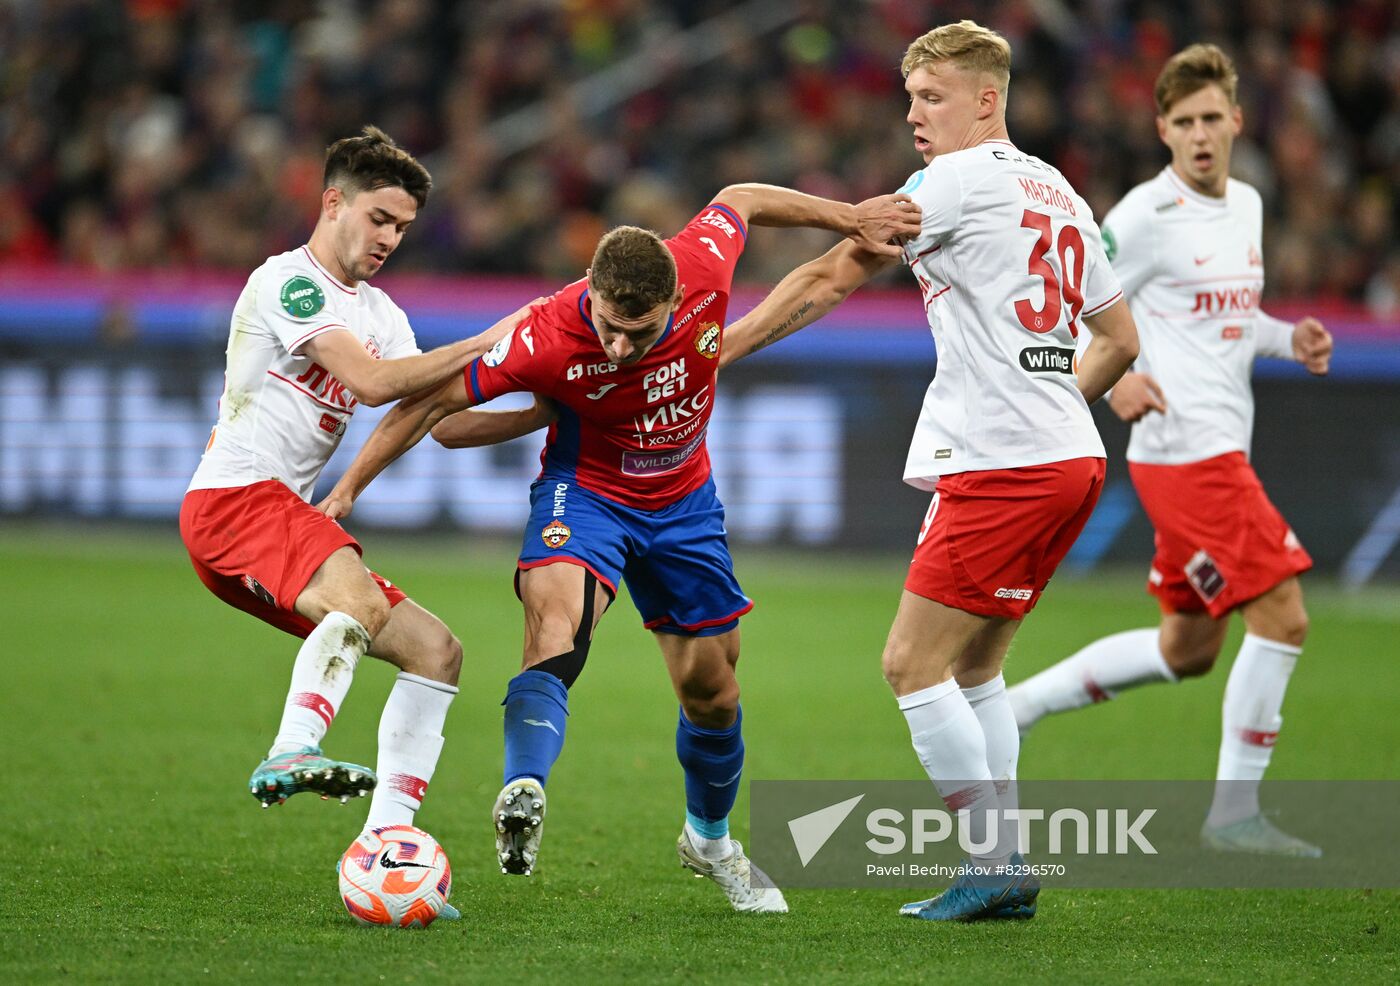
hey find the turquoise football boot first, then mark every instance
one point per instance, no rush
(1257, 834)
(278, 778)
(982, 897)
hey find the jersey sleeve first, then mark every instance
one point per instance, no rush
(401, 339)
(1129, 245)
(1101, 286)
(711, 244)
(938, 191)
(1273, 337)
(524, 360)
(296, 306)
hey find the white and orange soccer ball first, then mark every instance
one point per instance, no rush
(396, 876)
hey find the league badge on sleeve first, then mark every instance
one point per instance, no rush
(555, 534)
(1110, 244)
(302, 297)
(707, 339)
(497, 354)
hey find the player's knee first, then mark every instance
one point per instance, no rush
(443, 657)
(711, 702)
(372, 610)
(1293, 626)
(1190, 660)
(549, 631)
(566, 666)
(896, 663)
(1285, 621)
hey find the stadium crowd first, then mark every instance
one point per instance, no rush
(169, 133)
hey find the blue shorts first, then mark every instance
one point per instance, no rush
(675, 560)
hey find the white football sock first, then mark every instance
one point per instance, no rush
(711, 849)
(321, 677)
(1096, 673)
(993, 711)
(949, 741)
(410, 742)
(1250, 725)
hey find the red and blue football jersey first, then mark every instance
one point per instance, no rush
(634, 434)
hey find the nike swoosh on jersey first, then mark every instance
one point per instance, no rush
(1203, 260)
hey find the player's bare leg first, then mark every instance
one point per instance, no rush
(927, 644)
(1185, 645)
(710, 747)
(1276, 625)
(349, 609)
(563, 603)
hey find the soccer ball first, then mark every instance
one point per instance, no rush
(395, 875)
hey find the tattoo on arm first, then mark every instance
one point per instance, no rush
(781, 329)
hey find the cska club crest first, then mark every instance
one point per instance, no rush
(707, 339)
(556, 534)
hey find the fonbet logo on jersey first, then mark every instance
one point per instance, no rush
(302, 297)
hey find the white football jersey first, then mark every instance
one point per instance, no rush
(1009, 262)
(1193, 272)
(282, 414)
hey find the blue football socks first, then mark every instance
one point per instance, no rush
(537, 703)
(713, 760)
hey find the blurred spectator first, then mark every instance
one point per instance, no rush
(154, 133)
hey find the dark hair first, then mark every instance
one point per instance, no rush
(372, 160)
(633, 271)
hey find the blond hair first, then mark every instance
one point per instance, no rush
(966, 44)
(1191, 70)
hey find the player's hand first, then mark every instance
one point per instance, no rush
(1135, 395)
(885, 222)
(336, 505)
(507, 325)
(1312, 346)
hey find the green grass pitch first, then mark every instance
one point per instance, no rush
(135, 705)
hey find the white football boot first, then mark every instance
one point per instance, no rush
(518, 817)
(748, 888)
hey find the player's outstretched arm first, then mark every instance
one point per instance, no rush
(1111, 351)
(473, 428)
(375, 381)
(879, 224)
(397, 432)
(801, 298)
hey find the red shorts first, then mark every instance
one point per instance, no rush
(992, 539)
(256, 547)
(1220, 542)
